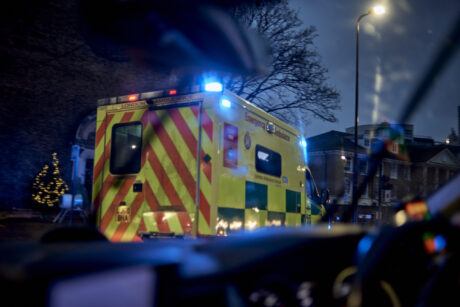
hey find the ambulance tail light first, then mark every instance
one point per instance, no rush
(129, 98)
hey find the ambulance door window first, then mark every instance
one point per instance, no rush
(268, 161)
(125, 157)
(311, 193)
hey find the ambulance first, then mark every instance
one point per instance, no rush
(196, 162)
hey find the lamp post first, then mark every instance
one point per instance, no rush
(378, 10)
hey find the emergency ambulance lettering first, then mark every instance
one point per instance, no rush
(253, 121)
(261, 124)
(282, 135)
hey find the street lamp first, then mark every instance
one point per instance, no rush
(378, 10)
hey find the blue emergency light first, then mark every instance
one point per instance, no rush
(303, 143)
(226, 103)
(213, 87)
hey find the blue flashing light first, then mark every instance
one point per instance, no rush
(439, 243)
(303, 143)
(364, 246)
(226, 103)
(213, 87)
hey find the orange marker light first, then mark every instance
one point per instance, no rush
(132, 98)
(172, 92)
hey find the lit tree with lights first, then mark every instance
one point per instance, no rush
(48, 185)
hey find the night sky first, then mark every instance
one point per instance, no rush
(395, 51)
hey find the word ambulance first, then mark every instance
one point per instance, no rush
(206, 163)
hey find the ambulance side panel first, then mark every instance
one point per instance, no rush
(261, 179)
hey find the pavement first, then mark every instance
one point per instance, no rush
(23, 229)
(27, 225)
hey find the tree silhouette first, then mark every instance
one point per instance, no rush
(295, 86)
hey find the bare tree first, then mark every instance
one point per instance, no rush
(295, 86)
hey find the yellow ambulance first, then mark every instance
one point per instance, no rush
(196, 162)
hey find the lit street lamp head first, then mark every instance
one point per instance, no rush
(378, 10)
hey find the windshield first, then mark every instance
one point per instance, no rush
(328, 82)
(230, 153)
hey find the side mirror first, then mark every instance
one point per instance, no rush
(324, 196)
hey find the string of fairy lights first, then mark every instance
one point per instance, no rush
(46, 190)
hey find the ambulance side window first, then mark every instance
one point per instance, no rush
(309, 184)
(125, 156)
(311, 191)
(268, 161)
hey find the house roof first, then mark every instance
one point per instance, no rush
(422, 153)
(337, 140)
(332, 140)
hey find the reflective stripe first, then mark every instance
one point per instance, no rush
(168, 173)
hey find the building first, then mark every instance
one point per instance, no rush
(331, 161)
(366, 133)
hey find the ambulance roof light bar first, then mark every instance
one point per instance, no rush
(213, 86)
(149, 95)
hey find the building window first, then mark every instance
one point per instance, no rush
(394, 148)
(347, 187)
(348, 165)
(268, 161)
(407, 133)
(366, 191)
(125, 157)
(408, 173)
(393, 171)
(362, 166)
